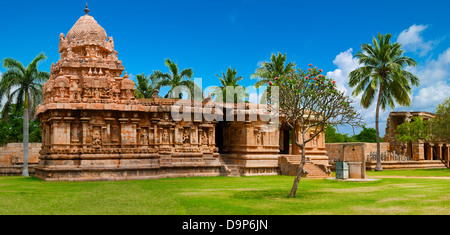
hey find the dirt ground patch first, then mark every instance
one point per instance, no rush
(415, 177)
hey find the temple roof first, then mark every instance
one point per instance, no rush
(87, 28)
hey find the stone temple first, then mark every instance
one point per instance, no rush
(93, 127)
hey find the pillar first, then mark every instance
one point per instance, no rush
(85, 129)
(429, 151)
(446, 153)
(438, 150)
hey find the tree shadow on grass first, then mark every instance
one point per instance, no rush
(275, 194)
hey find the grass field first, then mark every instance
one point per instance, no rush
(231, 195)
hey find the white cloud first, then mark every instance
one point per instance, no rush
(427, 98)
(433, 71)
(345, 63)
(434, 78)
(412, 40)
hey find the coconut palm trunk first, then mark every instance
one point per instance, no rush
(378, 167)
(25, 137)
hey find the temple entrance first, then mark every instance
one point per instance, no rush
(426, 150)
(437, 150)
(444, 152)
(285, 140)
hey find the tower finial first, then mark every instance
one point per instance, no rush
(86, 10)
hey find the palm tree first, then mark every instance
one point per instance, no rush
(275, 68)
(24, 86)
(175, 79)
(143, 88)
(228, 80)
(382, 72)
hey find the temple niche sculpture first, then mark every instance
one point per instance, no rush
(93, 127)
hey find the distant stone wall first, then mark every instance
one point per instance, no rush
(11, 158)
(352, 151)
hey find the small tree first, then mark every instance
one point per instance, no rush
(308, 102)
(440, 125)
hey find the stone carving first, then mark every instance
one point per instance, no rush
(208, 98)
(258, 137)
(96, 139)
(186, 136)
(144, 137)
(205, 138)
(165, 136)
(155, 94)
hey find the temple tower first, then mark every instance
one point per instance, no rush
(89, 70)
(93, 127)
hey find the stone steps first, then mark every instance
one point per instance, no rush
(290, 164)
(317, 170)
(229, 169)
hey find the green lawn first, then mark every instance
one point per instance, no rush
(230, 195)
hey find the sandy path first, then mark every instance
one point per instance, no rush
(413, 177)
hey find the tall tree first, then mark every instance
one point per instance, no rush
(382, 73)
(228, 80)
(308, 103)
(176, 79)
(146, 86)
(23, 86)
(276, 67)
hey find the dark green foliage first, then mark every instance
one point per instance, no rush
(11, 131)
(367, 135)
(331, 136)
(276, 67)
(175, 80)
(417, 129)
(228, 80)
(145, 86)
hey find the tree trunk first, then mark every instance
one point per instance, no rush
(25, 138)
(298, 175)
(378, 166)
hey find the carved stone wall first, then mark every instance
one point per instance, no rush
(252, 145)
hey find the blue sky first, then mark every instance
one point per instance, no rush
(210, 36)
